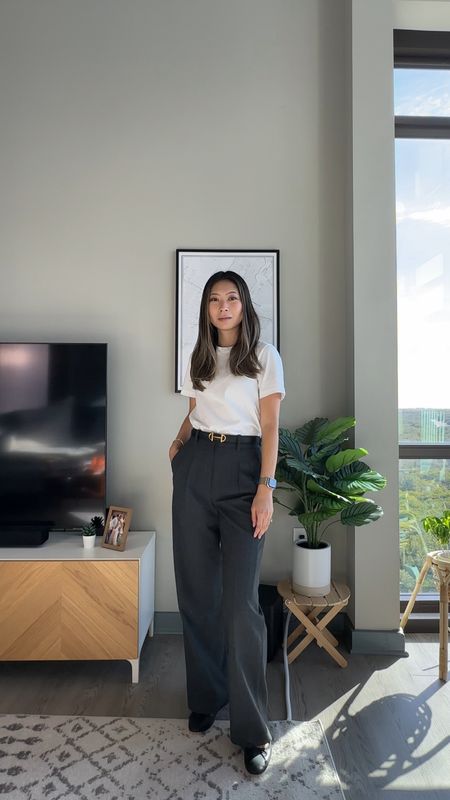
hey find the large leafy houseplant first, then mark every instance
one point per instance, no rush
(324, 480)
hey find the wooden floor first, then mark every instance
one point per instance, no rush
(387, 720)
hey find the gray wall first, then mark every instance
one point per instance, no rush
(131, 129)
(425, 15)
(375, 548)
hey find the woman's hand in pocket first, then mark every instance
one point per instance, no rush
(174, 448)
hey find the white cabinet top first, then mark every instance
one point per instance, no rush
(69, 547)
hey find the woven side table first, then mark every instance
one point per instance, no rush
(439, 562)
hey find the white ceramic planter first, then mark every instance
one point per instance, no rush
(311, 569)
(89, 542)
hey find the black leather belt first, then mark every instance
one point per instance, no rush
(223, 438)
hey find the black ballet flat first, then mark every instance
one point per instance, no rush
(199, 723)
(256, 759)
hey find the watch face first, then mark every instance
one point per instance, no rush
(270, 482)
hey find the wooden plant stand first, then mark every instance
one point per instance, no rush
(441, 567)
(308, 611)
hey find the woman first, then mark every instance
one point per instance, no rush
(223, 461)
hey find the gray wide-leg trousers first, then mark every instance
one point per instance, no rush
(217, 563)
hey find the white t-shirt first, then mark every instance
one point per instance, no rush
(230, 403)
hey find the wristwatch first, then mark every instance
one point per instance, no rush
(270, 482)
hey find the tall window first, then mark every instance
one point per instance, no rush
(422, 165)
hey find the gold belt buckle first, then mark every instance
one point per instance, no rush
(221, 437)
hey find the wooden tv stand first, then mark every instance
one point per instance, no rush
(61, 602)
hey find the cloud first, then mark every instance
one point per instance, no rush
(437, 216)
(425, 106)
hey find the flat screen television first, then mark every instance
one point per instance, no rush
(52, 439)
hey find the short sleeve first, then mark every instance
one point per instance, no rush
(271, 377)
(187, 387)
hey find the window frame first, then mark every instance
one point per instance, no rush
(416, 49)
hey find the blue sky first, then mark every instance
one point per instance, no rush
(423, 244)
(422, 92)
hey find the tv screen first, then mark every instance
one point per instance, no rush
(52, 434)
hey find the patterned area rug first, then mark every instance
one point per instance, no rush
(55, 757)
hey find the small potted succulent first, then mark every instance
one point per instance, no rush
(90, 531)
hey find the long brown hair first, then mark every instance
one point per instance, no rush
(243, 358)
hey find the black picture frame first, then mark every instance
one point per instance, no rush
(259, 268)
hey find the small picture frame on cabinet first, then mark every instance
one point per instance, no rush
(116, 528)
